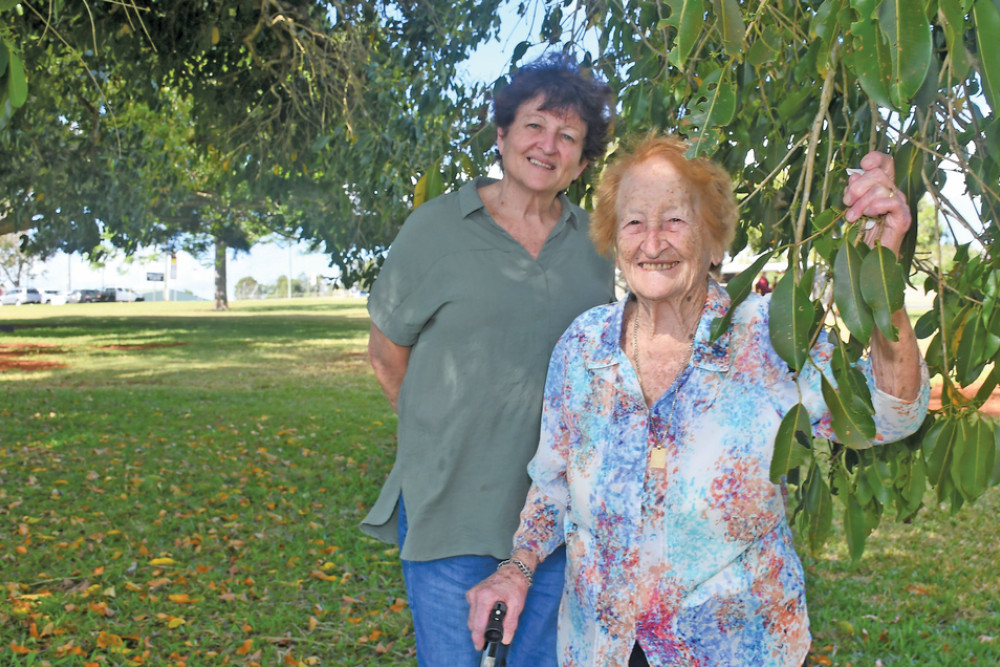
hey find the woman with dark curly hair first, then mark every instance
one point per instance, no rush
(474, 293)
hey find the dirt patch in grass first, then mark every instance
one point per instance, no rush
(7, 364)
(12, 357)
(140, 346)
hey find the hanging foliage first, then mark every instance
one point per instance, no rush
(788, 95)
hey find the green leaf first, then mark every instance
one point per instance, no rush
(519, 52)
(788, 453)
(978, 457)
(882, 287)
(869, 58)
(874, 479)
(987, 387)
(818, 507)
(987, 18)
(969, 361)
(763, 49)
(927, 324)
(791, 317)
(964, 435)
(953, 22)
(687, 16)
(938, 446)
(857, 315)
(911, 483)
(823, 23)
(428, 187)
(909, 34)
(854, 428)
(739, 288)
(862, 490)
(716, 101)
(850, 378)
(855, 527)
(8, 4)
(17, 84)
(730, 25)
(824, 221)
(791, 105)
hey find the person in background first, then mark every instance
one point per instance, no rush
(474, 293)
(656, 442)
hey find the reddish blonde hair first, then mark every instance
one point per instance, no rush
(712, 192)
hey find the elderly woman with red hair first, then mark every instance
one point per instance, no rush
(656, 442)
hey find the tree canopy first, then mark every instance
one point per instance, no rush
(189, 123)
(145, 124)
(788, 95)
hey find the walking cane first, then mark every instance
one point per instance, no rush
(495, 653)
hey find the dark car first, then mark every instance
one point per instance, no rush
(83, 296)
(119, 294)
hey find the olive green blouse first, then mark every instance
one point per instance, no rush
(481, 317)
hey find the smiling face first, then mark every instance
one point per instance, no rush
(542, 149)
(663, 252)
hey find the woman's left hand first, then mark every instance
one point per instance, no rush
(896, 364)
(506, 585)
(874, 194)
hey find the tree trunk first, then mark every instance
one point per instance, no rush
(221, 301)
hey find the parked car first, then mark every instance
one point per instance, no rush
(83, 296)
(53, 296)
(18, 296)
(119, 294)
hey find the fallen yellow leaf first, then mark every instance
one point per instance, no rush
(163, 561)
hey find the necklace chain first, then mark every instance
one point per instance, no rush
(658, 454)
(635, 351)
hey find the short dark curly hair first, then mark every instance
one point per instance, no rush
(566, 87)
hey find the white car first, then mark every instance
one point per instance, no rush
(18, 296)
(54, 296)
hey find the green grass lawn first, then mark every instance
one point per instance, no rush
(183, 487)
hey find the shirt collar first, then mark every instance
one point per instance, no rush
(469, 201)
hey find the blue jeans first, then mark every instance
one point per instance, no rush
(436, 591)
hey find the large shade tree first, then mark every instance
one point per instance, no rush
(788, 94)
(134, 124)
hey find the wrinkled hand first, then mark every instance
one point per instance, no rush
(506, 585)
(874, 194)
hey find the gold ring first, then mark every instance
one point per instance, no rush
(892, 193)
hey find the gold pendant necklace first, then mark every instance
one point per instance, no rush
(658, 454)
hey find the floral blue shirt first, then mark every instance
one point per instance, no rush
(693, 560)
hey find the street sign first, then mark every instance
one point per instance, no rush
(154, 277)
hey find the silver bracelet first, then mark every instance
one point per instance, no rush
(525, 570)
